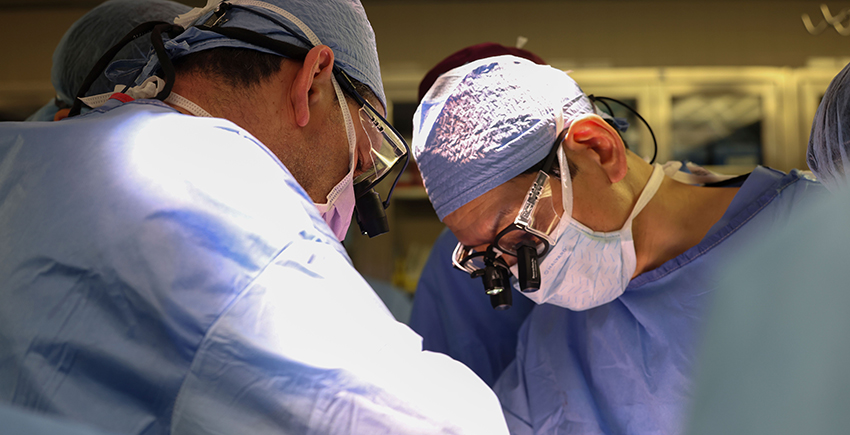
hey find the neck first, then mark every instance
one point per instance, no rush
(677, 218)
(259, 109)
(244, 106)
(265, 110)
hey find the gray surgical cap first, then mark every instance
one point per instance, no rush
(828, 153)
(95, 33)
(340, 24)
(91, 36)
(488, 121)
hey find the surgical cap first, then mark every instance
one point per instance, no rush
(340, 24)
(828, 153)
(469, 54)
(95, 33)
(91, 36)
(488, 121)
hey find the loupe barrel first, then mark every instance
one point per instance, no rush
(529, 269)
(370, 214)
(498, 286)
(502, 300)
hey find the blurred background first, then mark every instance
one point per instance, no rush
(727, 84)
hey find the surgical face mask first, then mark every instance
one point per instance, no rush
(585, 268)
(339, 207)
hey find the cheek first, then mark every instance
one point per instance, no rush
(333, 148)
(364, 151)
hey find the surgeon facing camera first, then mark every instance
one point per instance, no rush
(621, 256)
(449, 309)
(170, 260)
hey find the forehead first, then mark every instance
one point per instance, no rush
(480, 220)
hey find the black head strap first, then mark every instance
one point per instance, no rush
(103, 62)
(156, 28)
(164, 61)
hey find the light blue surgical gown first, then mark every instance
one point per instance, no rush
(162, 273)
(626, 367)
(454, 316)
(20, 421)
(775, 355)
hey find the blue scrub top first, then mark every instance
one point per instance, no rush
(626, 367)
(454, 316)
(162, 273)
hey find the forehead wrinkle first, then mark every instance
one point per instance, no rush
(504, 213)
(484, 230)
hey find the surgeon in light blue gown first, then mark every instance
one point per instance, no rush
(633, 258)
(18, 421)
(89, 37)
(173, 264)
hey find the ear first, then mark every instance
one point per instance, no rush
(591, 134)
(312, 82)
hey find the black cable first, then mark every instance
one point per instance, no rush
(610, 112)
(654, 140)
(164, 61)
(104, 61)
(612, 122)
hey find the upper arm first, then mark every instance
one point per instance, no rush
(309, 348)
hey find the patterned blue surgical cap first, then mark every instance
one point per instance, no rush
(488, 121)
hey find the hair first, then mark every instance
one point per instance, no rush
(364, 90)
(555, 170)
(242, 68)
(237, 67)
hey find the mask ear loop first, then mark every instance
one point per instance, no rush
(340, 187)
(349, 124)
(566, 177)
(528, 262)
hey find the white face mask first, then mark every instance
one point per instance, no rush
(339, 207)
(585, 268)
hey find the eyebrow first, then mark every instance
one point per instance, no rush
(491, 226)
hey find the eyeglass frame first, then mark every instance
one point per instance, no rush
(521, 222)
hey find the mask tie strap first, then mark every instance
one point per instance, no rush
(648, 192)
(566, 178)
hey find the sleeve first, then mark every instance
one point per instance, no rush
(453, 315)
(514, 399)
(513, 395)
(308, 348)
